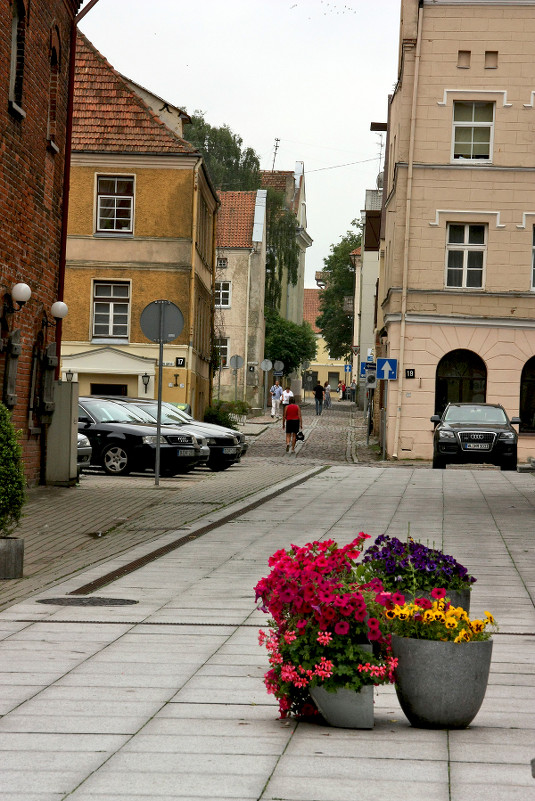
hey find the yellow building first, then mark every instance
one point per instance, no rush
(323, 368)
(141, 228)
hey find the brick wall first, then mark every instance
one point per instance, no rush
(31, 188)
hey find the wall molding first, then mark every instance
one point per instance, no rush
(447, 92)
(436, 222)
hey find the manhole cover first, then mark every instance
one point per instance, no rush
(94, 601)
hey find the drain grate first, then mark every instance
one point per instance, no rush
(94, 601)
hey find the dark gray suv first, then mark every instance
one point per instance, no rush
(470, 433)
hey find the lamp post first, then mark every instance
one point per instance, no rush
(146, 380)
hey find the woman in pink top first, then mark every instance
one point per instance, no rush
(292, 421)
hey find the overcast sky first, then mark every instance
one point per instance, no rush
(311, 73)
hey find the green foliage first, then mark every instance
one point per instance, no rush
(230, 165)
(12, 484)
(219, 414)
(335, 324)
(288, 342)
(282, 248)
(236, 407)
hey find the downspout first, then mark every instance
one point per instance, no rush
(408, 202)
(212, 310)
(189, 381)
(246, 349)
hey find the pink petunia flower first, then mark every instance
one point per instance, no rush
(342, 627)
(438, 592)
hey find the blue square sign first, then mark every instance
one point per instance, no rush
(387, 369)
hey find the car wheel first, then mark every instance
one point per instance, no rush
(509, 464)
(217, 467)
(438, 463)
(116, 460)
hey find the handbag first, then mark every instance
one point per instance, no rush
(300, 436)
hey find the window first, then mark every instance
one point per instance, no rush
(222, 293)
(110, 310)
(222, 346)
(463, 59)
(222, 263)
(491, 59)
(533, 260)
(527, 397)
(465, 255)
(115, 203)
(16, 72)
(473, 125)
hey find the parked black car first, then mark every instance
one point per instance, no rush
(121, 442)
(224, 446)
(475, 433)
(175, 413)
(83, 452)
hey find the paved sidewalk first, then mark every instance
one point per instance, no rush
(164, 700)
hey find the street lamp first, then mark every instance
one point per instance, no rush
(146, 379)
(69, 375)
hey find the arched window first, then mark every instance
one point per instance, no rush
(527, 397)
(461, 378)
(18, 38)
(53, 87)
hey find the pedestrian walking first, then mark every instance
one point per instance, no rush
(327, 395)
(287, 395)
(276, 395)
(353, 388)
(318, 396)
(292, 422)
(340, 390)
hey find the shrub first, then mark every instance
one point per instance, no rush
(12, 483)
(219, 415)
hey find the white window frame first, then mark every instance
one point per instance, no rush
(465, 247)
(101, 231)
(222, 263)
(473, 124)
(111, 300)
(218, 343)
(220, 292)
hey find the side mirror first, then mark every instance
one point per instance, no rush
(85, 420)
(435, 419)
(515, 421)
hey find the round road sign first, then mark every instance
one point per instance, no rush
(236, 361)
(279, 365)
(266, 365)
(161, 321)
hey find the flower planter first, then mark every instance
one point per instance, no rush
(345, 709)
(457, 597)
(11, 557)
(441, 685)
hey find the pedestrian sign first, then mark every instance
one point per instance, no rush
(387, 369)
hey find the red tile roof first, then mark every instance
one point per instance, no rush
(235, 219)
(109, 117)
(311, 307)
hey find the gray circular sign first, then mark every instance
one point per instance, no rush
(305, 365)
(279, 366)
(309, 379)
(266, 365)
(236, 361)
(161, 321)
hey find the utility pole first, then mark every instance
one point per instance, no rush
(275, 153)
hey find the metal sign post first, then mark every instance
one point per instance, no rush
(265, 366)
(161, 321)
(236, 362)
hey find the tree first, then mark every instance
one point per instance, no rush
(334, 321)
(230, 165)
(282, 248)
(288, 342)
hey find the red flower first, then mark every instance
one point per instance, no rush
(438, 592)
(398, 598)
(423, 603)
(342, 627)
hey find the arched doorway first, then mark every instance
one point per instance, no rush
(527, 397)
(461, 378)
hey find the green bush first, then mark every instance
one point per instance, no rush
(236, 407)
(12, 483)
(218, 414)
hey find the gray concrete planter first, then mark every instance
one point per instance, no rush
(11, 557)
(441, 685)
(345, 709)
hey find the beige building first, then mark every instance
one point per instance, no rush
(239, 295)
(141, 228)
(292, 186)
(456, 299)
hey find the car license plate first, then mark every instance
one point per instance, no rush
(230, 450)
(476, 446)
(183, 453)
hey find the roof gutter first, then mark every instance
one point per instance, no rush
(408, 203)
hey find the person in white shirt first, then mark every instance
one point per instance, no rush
(276, 393)
(287, 396)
